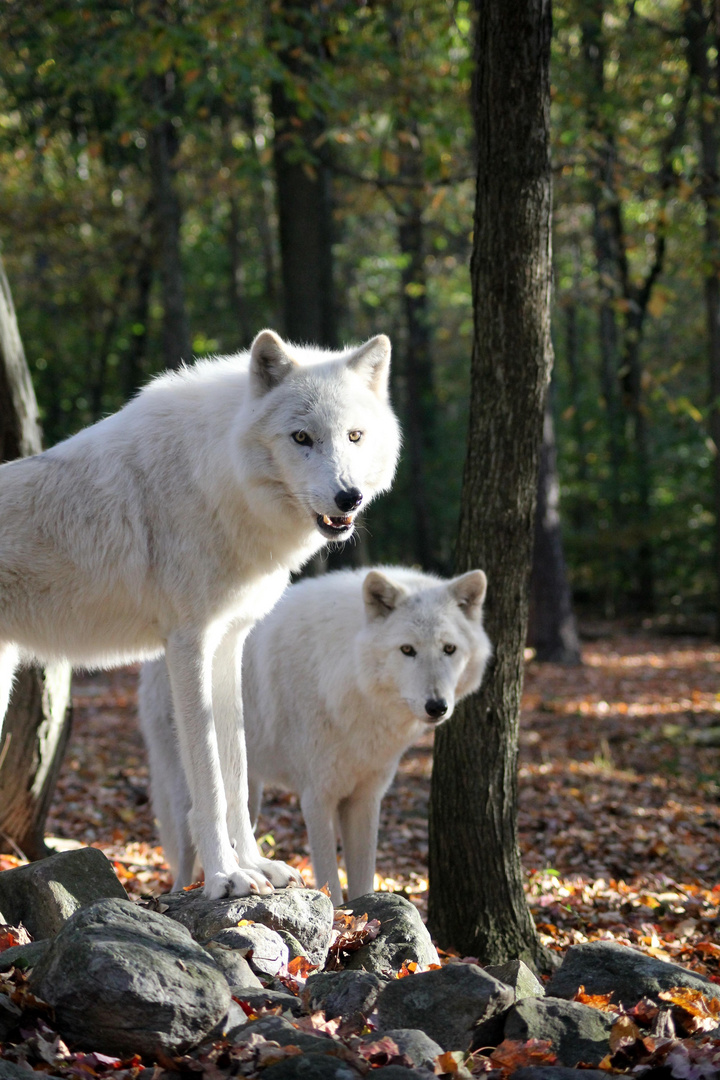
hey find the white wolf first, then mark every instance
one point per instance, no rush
(174, 525)
(338, 680)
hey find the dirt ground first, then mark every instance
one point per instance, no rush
(619, 785)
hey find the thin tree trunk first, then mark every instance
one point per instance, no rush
(162, 152)
(417, 361)
(37, 724)
(304, 194)
(697, 26)
(133, 364)
(552, 630)
(477, 902)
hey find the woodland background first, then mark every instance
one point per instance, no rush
(177, 174)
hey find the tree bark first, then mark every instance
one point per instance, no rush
(697, 25)
(37, 724)
(162, 152)
(303, 182)
(477, 903)
(552, 630)
(417, 360)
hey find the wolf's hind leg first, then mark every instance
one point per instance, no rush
(9, 660)
(359, 818)
(319, 820)
(255, 794)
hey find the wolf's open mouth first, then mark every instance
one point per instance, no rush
(335, 528)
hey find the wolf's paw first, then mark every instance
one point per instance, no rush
(239, 883)
(279, 873)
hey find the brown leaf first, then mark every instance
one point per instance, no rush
(513, 1054)
(595, 1001)
(13, 935)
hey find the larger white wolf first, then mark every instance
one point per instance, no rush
(338, 680)
(174, 525)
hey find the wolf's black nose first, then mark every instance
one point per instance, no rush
(436, 707)
(348, 500)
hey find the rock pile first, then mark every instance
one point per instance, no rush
(284, 987)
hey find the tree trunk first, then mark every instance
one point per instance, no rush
(37, 724)
(477, 903)
(697, 25)
(552, 630)
(303, 187)
(162, 152)
(417, 360)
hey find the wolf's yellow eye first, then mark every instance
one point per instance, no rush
(302, 438)
(449, 649)
(355, 436)
(408, 650)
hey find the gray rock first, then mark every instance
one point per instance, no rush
(557, 1072)
(263, 948)
(603, 967)
(9, 1016)
(10, 1071)
(351, 995)
(230, 1027)
(44, 894)
(125, 980)
(293, 945)
(445, 1004)
(413, 1043)
(264, 999)
(24, 956)
(280, 1030)
(233, 964)
(403, 935)
(312, 1067)
(578, 1033)
(305, 913)
(518, 976)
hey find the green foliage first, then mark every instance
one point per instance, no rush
(392, 83)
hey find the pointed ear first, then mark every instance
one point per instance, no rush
(469, 592)
(381, 595)
(270, 361)
(372, 362)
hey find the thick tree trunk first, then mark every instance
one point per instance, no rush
(552, 630)
(304, 193)
(37, 724)
(477, 902)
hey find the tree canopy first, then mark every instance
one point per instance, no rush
(377, 100)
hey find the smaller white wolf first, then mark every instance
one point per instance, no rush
(342, 676)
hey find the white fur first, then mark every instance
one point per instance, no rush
(331, 702)
(174, 525)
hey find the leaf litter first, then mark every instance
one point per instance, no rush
(619, 817)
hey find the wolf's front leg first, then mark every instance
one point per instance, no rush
(359, 817)
(189, 661)
(227, 710)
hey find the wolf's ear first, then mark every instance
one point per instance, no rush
(469, 592)
(381, 595)
(372, 362)
(270, 361)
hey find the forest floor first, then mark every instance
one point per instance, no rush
(619, 785)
